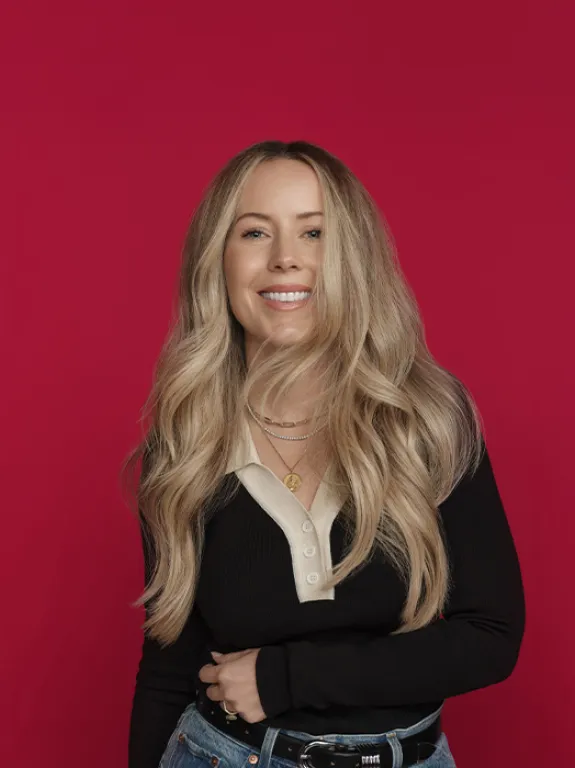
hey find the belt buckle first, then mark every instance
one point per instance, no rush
(304, 759)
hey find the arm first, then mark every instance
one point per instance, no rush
(476, 644)
(165, 684)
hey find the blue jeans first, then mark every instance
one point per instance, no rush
(196, 743)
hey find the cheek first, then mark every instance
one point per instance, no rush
(241, 273)
(239, 285)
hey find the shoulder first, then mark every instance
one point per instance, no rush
(474, 509)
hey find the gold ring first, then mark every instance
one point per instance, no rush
(227, 711)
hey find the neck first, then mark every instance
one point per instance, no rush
(297, 404)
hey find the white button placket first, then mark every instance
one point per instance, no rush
(307, 532)
(311, 566)
(309, 551)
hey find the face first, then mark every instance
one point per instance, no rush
(275, 240)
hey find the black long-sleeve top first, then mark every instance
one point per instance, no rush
(328, 663)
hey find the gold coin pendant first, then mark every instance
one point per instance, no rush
(292, 481)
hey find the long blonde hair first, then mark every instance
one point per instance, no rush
(401, 430)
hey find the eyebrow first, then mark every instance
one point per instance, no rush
(264, 216)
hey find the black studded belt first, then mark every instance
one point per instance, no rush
(318, 753)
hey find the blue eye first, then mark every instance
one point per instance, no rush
(247, 234)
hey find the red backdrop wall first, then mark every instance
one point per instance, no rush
(459, 119)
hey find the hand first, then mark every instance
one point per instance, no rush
(234, 679)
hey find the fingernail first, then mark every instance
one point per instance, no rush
(216, 653)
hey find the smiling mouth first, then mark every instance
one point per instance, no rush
(292, 300)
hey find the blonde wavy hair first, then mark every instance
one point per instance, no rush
(400, 429)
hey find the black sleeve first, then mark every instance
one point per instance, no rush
(474, 645)
(165, 684)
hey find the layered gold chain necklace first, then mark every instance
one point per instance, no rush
(292, 480)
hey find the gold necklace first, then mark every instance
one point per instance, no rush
(292, 480)
(285, 424)
(282, 437)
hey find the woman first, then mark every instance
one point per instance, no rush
(327, 555)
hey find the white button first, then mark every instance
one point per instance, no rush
(312, 578)
(307, 526)
(309, 551)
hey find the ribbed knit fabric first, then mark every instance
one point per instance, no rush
(332, 666)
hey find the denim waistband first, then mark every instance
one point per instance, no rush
(373, 738)
(205, 740)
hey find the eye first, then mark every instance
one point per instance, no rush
(250, 234)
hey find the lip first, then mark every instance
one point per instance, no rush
(284, 306)
(287, 288)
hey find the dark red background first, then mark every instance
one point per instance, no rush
(458, 117)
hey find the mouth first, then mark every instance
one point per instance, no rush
(285, 301)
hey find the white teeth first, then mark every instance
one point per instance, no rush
(293, 296)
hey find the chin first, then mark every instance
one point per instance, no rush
(280, 336)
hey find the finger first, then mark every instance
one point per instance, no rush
(215, 693)
(219, 658)
(209, 673)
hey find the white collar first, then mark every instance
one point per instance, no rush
(244, 452)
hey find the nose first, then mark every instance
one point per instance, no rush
(284, 253)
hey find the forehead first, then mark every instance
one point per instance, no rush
(281, 183)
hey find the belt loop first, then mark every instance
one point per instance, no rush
(396, 749)
(267, 747)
